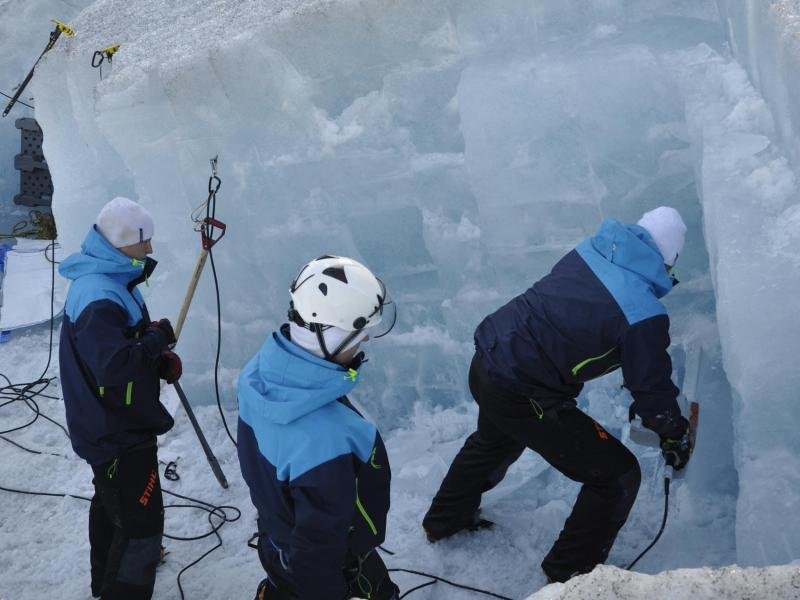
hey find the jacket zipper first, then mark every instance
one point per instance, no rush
(364, 513)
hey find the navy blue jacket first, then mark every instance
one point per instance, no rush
(107, 356)
(318, 472)
(597, 310)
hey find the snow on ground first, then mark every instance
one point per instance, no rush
(44, 545)
(730, 583)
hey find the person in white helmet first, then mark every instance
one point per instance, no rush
(317, 470)
(597, 311)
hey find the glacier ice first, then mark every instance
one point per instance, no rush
(458, 150)
(24, 32)
(746, 164)
(453, 148)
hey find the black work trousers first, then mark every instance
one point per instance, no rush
(366, 576)
(565, 437)
(126, 522)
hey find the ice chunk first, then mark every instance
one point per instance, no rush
(750, 203)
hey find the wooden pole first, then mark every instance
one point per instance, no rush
(198, 270)
(212, 460)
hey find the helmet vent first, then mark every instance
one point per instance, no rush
(336, 273)
(323, 288)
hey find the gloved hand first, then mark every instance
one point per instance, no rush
(165, 327)
(677, 450)
(170, 367)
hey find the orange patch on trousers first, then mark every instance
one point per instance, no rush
(144, 499)
(600, 431)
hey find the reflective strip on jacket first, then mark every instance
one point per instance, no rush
(598, 310)
(318, 472)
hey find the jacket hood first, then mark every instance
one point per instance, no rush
(98, 256)
(285, 382)
(631, 247)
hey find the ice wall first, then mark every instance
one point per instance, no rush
(456, 149)
(765, 38)
(747, 152)
(24, 31)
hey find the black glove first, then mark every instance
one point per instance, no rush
(677, 450)
(170, 367)
(165, 327)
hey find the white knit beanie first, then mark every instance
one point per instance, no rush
(668, 231)
(307, 339)
(124, 222)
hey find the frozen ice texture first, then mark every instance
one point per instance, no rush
(748, 151)
(456, 149)
(459, 150)
(24, 32)
(732, 583)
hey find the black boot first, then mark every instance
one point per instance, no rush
(474, 523)
(261, 590)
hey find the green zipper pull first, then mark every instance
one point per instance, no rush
(112, 469)
(536, 408)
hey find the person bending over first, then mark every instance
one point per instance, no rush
(598, 310)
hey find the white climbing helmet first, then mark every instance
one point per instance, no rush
(335, 291)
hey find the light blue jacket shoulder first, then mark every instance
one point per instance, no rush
(288, 396)
(101, 272)
(628, 263)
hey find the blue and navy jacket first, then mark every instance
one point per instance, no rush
(597, 310)
(107, 356)
(318, 472)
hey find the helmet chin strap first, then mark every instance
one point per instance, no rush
(346, 341)
(317, 329)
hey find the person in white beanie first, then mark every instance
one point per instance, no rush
(317, 470)
(597, 311)
(666, 227)
(112, 357)
(127, 226)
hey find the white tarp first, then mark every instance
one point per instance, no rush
(27, 282)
